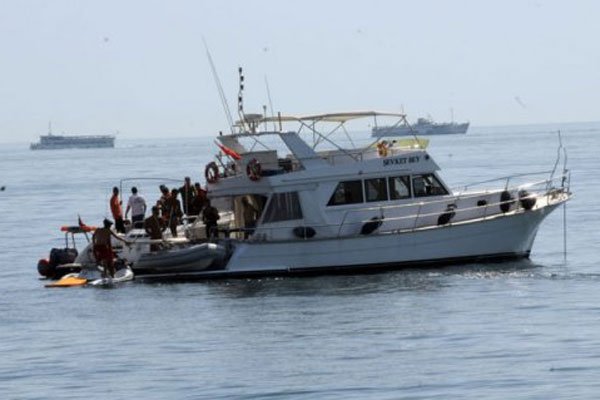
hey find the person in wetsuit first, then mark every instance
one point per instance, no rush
(154, 226)
(103, 251)
(210, 216)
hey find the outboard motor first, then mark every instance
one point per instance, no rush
(44, 268)
(48, 267)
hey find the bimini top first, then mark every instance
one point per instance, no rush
(330, 117)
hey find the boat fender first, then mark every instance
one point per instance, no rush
(211, 172)
(447, 215)
(253, 170)
(45, 269)
(481, 203)
(371, 226)
(506, 201)
(526, 199)
(304, 232)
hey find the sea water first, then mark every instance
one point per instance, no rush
(527, 329)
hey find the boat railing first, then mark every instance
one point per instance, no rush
(546, 183)
(507, 180)
(524, 192)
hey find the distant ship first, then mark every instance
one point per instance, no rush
(55, 142)
(423, 127)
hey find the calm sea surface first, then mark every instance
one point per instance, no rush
(528, 329)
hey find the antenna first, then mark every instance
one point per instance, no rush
(241, 98)
(219, 87)
(49, 127)
(270, 103)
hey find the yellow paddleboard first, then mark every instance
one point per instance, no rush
(68, 281)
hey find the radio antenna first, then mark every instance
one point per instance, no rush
(270, 103)
(219, 87)
(241, 98)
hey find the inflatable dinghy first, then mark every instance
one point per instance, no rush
(198, 257)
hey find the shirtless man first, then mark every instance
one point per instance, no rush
(103, 251)
(154, 226)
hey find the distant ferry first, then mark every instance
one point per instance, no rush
(423, 127)
(55, 142)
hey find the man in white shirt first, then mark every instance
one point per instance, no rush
(137, 205)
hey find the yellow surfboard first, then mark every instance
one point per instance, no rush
(68, 281)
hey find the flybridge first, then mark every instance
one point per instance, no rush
(254, 126)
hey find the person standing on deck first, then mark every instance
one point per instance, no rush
(250, 214)
(162, 203)
(117, 211)
(137, 205)
(154, 226)
(188, 192)
(199, 200)
(174, 213)
(210, 216)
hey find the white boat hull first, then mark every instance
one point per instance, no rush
(500, 237)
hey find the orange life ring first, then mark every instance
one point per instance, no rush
(254, 170)
(211, 172)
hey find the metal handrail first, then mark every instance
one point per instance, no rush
(507, 178)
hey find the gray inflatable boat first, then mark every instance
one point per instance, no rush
(195, 258)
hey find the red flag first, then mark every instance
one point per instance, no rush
(231, 153)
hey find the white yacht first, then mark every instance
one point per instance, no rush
(381, 206)
(305, 211)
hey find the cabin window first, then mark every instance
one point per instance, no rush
(399, 187)
(376, 189)
(348, 192)
(427, 185)
(283, 207)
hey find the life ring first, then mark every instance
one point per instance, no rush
(254, 170)
(211, 172)
(382, 149)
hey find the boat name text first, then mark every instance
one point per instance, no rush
(400, 160)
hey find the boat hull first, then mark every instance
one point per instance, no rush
(505, 237)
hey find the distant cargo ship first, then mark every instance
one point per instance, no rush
(55, 142)
(423, 127)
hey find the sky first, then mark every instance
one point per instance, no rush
(140, 67)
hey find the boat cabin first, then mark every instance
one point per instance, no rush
(305, 193)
